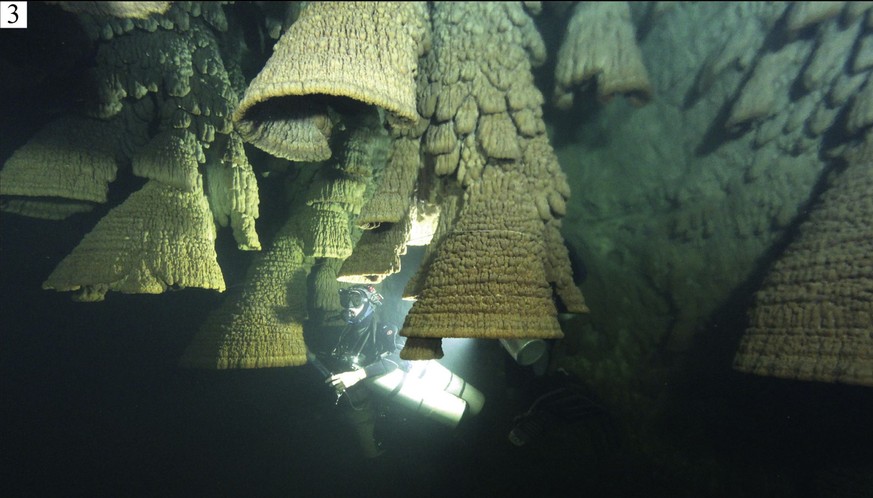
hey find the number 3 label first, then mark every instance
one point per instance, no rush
(13, 15)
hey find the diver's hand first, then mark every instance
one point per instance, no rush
(345, 380)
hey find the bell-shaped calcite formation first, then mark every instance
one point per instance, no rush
(487, 279)
(600, 44)
(326, 292)
(326, 232)
(261, 325)
(485, 112)
(813, 317)
(158, 238)
(364, 51)
(339, 188)
(377, 254)
(172, 157)
(422, 348)
(71, 158)
(395, 185)
(233, 193)
(556, 261)
(449, 208)
(287, 130)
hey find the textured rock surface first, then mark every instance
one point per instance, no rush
(71, 158)
(486, 137)
(261, 324)
(600, 45)
(162, 97)
(159, 238)
(676, 209)
(488, 280)
(364, 51)
(684, 196)
(813, 316)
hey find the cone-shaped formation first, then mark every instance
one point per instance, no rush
(491, 117)
(260, 326)
(390, 202)
(295, 133)
(601, 44)
(364, 51)
(422, 348)
(172, 157)
(487, 279)
(160, 237)
(377, 254)
(326, 292)
(813, 317)
(71, 158)
(326, 232)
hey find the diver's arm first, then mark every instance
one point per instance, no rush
(386, 340)
(375, 369)
(346, 380)
(385, 334)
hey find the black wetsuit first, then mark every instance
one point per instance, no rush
(363, 346)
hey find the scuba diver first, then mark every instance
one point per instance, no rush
(364, 360)
(360, 352)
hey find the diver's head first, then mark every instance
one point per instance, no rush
(359, 302)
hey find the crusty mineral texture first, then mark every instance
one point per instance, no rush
(233, 193)
(260, 324)
(72, 158)
(159, 238)
(485, 274)
(813, 316)
(377, 253)
(364, 51)
(487, 279)
(600, 46)
(172, 157)
(422, 348)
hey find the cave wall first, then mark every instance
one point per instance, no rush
(679, 203)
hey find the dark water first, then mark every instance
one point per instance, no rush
(94, 405)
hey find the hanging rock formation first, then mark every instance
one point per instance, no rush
(813, 316)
